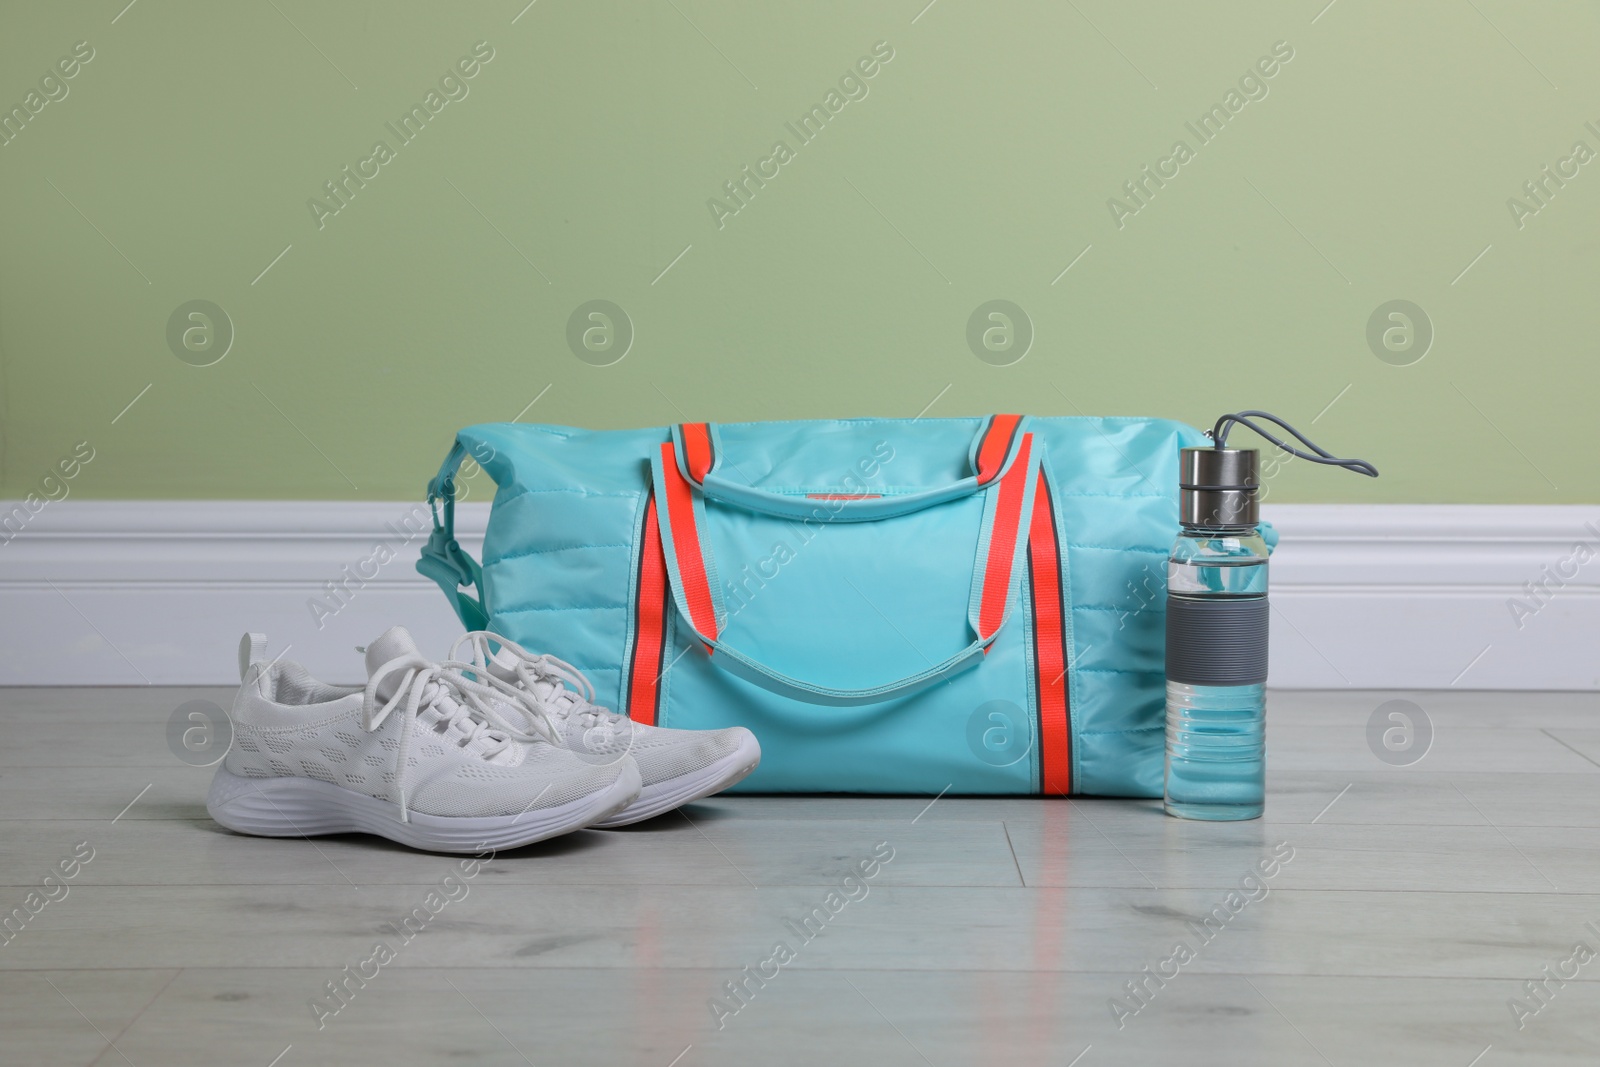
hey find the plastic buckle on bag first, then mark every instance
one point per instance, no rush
(443, 558)
(440, 490)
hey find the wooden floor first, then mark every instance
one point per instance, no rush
(1407, 910)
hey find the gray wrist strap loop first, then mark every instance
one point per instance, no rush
(1219, 434)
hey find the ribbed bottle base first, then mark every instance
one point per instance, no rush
(1216, 752)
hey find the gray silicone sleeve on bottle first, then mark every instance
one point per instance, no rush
(1217, 640)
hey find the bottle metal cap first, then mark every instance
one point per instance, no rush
(1220, 468)
(1217, 487)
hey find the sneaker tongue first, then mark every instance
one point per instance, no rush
(503, 665)
(392, 645)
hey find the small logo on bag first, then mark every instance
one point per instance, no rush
(999, 733)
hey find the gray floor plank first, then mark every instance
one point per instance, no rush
(1291, 931)
(1455, 749)
(669, 850)
(45, 794)
(655, 1015)
(1585, 741)
(50, 1017)
(1418, 904)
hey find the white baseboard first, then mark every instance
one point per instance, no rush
(125, 592)
(1380, 596)
(1404, 596)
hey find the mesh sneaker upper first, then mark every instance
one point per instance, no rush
(662, 753)
(287, 724)
(598, 733)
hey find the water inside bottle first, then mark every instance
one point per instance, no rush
(1216, 751)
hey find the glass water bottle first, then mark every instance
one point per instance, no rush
(1217, 641)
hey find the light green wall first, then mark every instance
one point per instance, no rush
(977, 167)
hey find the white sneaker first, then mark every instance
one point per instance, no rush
(675, 766)
(424, 756)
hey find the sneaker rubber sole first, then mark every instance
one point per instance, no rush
(662, 797)
(308, 807)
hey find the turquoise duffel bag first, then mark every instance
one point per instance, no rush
(971, 606)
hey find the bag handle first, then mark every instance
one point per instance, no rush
(445, 561)
(699, 452)
(692, 578)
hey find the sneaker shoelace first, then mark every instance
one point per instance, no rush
(473, 708)
(554, 686)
